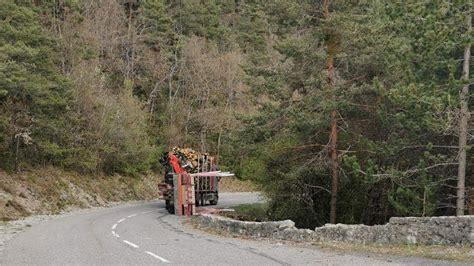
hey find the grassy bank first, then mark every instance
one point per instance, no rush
(50, 191)
(440, 252)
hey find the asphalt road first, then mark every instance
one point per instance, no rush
(143, 233)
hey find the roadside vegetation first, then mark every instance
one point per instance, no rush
(439, 252)
(231, 184)
(256, 212)
(51, 191)
(339, 111)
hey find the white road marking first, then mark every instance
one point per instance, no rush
(158, 257)
(130, 243)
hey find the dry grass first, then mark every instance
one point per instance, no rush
(232, 184)
(453, 253)
(50, 191)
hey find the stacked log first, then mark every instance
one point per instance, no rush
(191, 160)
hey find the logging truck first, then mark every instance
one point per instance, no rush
(190, 179)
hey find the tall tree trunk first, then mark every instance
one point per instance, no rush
(463, 125)
(335, 168)
(331, 46)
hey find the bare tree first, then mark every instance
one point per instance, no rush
(209, 89)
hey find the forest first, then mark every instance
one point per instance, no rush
(340, 111)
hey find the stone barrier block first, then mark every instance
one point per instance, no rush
(445, 230)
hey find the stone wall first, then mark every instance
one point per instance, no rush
(447, 230)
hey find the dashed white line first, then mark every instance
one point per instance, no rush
(130, 243)
(158, 257)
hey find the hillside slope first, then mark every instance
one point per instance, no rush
(50, 191)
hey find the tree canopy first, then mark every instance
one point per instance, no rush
(103, 86)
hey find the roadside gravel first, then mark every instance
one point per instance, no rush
(9, 229)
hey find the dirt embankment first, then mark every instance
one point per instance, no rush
(50, 191)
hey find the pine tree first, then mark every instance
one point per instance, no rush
(34, 101)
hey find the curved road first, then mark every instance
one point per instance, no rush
(144, 233)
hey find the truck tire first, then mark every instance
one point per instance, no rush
(214, 201)
(169, 207)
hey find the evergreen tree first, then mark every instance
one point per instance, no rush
(34, 102)
(396, 78)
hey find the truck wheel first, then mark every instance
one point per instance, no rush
(169, 207)
(197, 199)
(213, 202)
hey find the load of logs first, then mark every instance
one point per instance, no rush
(191, 160)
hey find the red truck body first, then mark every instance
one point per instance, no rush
(179, 185)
